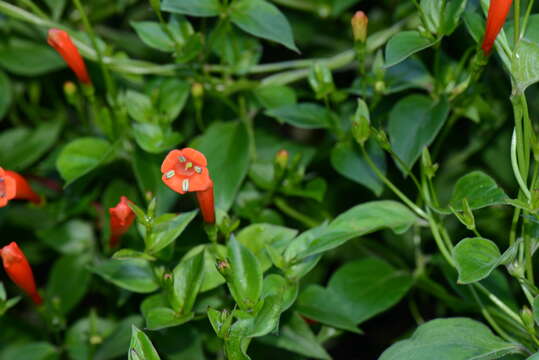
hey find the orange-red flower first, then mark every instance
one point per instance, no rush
(186, 171)
(62, 43)
(497, 13)
(19, 270)
(360, 23)
(14, 186)
(121, 219)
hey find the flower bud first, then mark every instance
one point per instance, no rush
(62, 43)
(197, 90)
(321, 80)
(361, 125)
(19, 271)
(497, 13)
(360, 23)
(382, 140)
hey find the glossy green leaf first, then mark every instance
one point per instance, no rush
(404, 45)
(68, 282)
(536, 309)
(167, 232)
(369, 287)
(226, 146)
(77, 339)
(72, 237)
(81, 156)
(30, 351)
(212, 277)
(153, 35)
(432, 10)
(188, 276)
(139, 106)
(21, 147)
(192, 7)
(358, 221)
(453, 12)
(350, 162)
(115, 344)
(256, 236)
(317, 303)
(451, 339)
(413, 124)
(275, 96)
(303, 115)
(479, 190)
(275, 284)
(162, 317)
(475, 258)
(141, 348)
(135, 275)
(156, 139)
(296, 336)
(525, 63)
(262, 19)
(172, 95)
(244, 277)
(5, 94)
(28, 58)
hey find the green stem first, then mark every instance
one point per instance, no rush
(111, 89)
(35, 9)
(294, 214)
(526, 17)
(390, 185)
(516, 168)
(516, 13)
(500, 304)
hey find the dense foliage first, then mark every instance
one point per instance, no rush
(254, 179)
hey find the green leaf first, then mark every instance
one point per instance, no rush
(450, 339)
(304, 115)
(188, 276)
(21, 147)
(154, 138)
(262, 19)
(141, 347)
(162, 317)
(81, 156)
(536, 309)
(124, 254)
(405, 44)
(68, 282)
(192, 7)
(475, 258)
(275, 96)
(479, 190)
(212, 277)
(115, 344)
(256, 236)
(414, 122)
(525, 63)
(5, 94)
(139, 106)
(358, 221)
(275, 284)
(453, 12)
(27, 58)
(244, 277)
(369, 287)
(317, 303)
(172, 97)
(296, 336)
(152, 33)
(350, 163)
(31, 351)
(432, 11)
(167, 232)
(135, 275)
(72, 237)
(226, 146)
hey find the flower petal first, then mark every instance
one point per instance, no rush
(195, 156)
(200, 182)
(175, 183)
(170, 161)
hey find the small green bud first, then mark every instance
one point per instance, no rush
(465, 216)
(361, 125)
(527, 318)
(71, 93)
(426, 161)
(382, 140)
(360, 23)
(321, 80)
(197, 90)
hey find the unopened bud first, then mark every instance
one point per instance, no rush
(222, 266)
(321, 80)
(428, 167)
(70, 91)
(197, 90)
(465, 215)
(360, 23)
(382, 140)
(361, 125)
(281, 159)
(527, 318)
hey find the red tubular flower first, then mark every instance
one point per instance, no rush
(497, 12)
(121, 219)
(14, 186)
(62, 43)
(186, 171)
(19, 270)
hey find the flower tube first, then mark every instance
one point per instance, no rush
(121, 219)
(63, 44)
(14, 186)
(497, 13)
